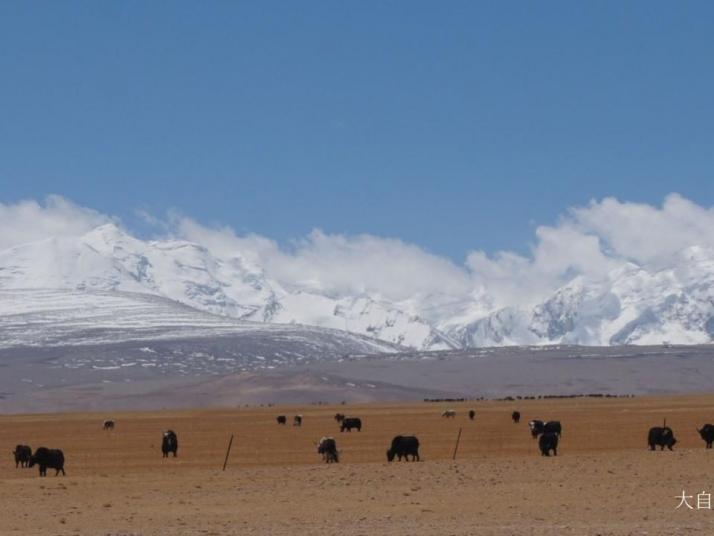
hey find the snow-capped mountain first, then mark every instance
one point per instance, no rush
(109, 259)
(631, 305)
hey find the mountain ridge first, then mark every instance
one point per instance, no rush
(630, 305)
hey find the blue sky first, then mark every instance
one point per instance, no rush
(451, 125)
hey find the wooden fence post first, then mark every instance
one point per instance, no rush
(456, 447)
(225, 462)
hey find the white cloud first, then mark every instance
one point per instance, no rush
(28, 221)
(338, 264)
(590, 240)
(646, 234)
(366, 263)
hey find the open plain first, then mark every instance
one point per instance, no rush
(604, 480)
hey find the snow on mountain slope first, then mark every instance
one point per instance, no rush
(44, 318)
(62, 263)
(177, 268)
(375, 318)
(109, 259)
(630, 305)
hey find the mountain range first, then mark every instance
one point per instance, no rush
(632, 304)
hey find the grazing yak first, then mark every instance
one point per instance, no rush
(707, 433)
(339, 417)
(282, 419)
(449, 413)
(22, 455)
(516, 416)
(108, 425)
(52, 458)
(661, 436)
(536, 427)
(297, 420)
(169, 443)
(553, 427)
(472, 414)
(351, 422)
(548, 441)
(403, 447)
(539, 427)
(327, 446)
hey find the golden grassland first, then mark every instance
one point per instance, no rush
(604, 480)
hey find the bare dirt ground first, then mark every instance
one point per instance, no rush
(604, 481)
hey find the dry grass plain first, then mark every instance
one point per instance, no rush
(603, 482)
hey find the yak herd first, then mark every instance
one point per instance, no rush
(43, 457)
(548, 434)
(402, 447)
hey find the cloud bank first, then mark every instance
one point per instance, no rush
(587, 241)
(29, 221)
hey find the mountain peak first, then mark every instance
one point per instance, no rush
(109, 231)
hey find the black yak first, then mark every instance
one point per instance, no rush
(548, 441)
(403, 447)
(22, 455)
(52, 458)
(707, 433)
(327, 446)
(536, 427)
(539, 427)
(351, 422)
(661, 436)
(553, 427)
(169, 444)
